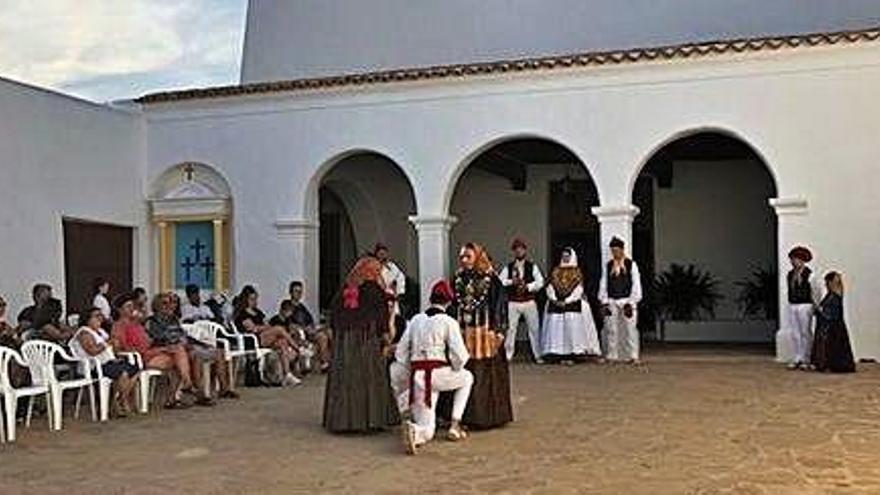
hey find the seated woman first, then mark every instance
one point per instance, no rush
(10, 336)
(831, 348)
(91, 341)
(131, 336)
(164, 328)
(248, 318)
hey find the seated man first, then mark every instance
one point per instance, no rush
(42, 320)
(302, 318)
(194, 309)
(433, 350)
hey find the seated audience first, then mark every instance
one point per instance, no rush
(130, 335)
(42, 320)
(302, 318)
(10, 337)
(249, 318)
(140, 303)
(164, 329)
(194, 309)
(91, 341)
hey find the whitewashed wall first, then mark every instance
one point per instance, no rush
(63, 157)
(809, 113)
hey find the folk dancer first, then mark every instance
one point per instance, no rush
(523, 280)
(620, 291)
(802, 298)
(569, 329)
(433, 351)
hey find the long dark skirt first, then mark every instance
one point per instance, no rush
(489, 405)
(831, 348)
(358, 397)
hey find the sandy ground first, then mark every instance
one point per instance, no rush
(687, 422)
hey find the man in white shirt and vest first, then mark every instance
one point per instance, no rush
(432, 355)
(523, 280)
(620, 291)
(395, 279)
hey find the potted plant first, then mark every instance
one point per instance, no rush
(759, 294)
(684, 293)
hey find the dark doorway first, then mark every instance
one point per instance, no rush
(335, 237)
(95, 250)
(573, 225)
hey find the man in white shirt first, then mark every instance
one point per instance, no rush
(194, 309)
(433, 352)
(395, 279)
(620, 291)
(523, 280)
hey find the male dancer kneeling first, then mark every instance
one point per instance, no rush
(433, 351)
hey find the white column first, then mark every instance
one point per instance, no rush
(615, 221)
(433, 232)
(791, 215)
(302, 235)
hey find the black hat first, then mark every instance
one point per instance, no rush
(617, 242)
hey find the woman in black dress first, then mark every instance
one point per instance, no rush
(831, 347)
(358, 397)
(479, 310)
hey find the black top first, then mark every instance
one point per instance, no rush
(619, 286)
(164, 330)
(301, 316)
(256, 316)
(799, 289)
(48, 313)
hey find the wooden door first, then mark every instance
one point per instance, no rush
(95, 250)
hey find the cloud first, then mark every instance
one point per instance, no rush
(110, 49)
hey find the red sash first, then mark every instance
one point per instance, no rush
(427, 366)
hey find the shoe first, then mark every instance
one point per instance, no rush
(456, 434)
(291, 381)
(794, 366)
(539, 361)
(229, 394)
(408, 431)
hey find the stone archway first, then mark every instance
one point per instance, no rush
(703, 200)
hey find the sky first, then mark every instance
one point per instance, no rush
(106, 50)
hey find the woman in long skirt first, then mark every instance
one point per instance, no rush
(358, 397)
(478, 309)
(831, 347)
(569, 329)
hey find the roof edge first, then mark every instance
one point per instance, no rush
(524, 65)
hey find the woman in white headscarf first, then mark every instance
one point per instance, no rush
(569, 329)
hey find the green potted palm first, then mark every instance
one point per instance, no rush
(758, 296)
(684, 294)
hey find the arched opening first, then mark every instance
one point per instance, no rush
(364, 199)
(531, 188)
(191, 211)
(705, 239)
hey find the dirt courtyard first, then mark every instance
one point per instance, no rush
(687, 422)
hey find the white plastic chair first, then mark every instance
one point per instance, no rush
(40, 358)
(207, 336)
(234, 346)
(145, 380)
(11, 395)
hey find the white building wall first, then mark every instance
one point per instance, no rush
(809, 113)
(63, 157)
(306, 38)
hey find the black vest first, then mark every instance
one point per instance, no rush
(800, 291)
(619, 286)
(528, 277)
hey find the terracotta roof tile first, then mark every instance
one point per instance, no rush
(549, 63)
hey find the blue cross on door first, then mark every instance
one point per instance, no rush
(193, 248)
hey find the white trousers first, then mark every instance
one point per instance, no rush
(621, 333)
(515, 312)
(442, 380)
(801, 318)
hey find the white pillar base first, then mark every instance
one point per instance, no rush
(433, 232)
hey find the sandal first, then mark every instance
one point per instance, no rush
(229, 394)
(177, 404)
